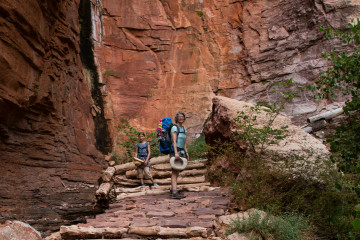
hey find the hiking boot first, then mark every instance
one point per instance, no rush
(155, 184)
(177, 195)
(180, 193)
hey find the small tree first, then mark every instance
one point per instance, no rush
(262, 136)
(343, 78)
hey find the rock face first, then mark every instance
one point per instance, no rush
(221, 125)
(48, 160)
(152, 58)
(157, 57)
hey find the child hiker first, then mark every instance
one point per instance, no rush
(143, 152)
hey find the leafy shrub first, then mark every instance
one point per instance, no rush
(284, 227)
(131, 138)
(343, 78)
(197, 148)
(263, 136)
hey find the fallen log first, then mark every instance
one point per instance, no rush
(123, 181)
(104, 189)
(315, 126)
(160, 159)
(108, 174)
(192, 187)
(326, 115)
(143, 193)
(124, 167)
(169, 232)
(76, 232)
(191, 165)
(181, 180)
(119, 169)
(165, 174)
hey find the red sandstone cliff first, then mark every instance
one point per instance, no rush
(156, 57)
(49, 165)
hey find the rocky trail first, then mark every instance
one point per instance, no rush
(148, 212)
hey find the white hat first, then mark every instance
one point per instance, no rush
(178, 164)
(138, 161)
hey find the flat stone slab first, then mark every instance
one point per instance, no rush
(158, 216)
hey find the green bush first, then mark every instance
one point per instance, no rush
(131, 138)
(327, 204)
(197, 148)
(343, 78)
(284, 227)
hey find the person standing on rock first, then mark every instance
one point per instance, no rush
(143, 152)
(178, 137)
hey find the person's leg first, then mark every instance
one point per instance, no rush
(174, 177)
(148, 175)
(141, 176)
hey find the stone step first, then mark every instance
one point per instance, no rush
(77, 232)
(140, 216)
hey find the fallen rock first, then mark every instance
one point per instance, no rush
(16, 230)
(297, 143)
(238, 236)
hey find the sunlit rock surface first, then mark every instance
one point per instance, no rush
(157, 57)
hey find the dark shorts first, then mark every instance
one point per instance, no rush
(180, 152)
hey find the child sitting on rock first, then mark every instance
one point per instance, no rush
(143, 152)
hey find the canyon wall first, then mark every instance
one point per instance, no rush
(49, 165)
(148, 59)
(156, 57)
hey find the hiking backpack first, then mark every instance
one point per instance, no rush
(164, 135)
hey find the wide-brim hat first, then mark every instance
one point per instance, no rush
(138, 161)
(178, 164)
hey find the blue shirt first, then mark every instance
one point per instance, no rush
(181, 139)
(143, 153)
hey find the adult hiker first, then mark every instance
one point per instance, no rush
(143, 152)
(178, 136)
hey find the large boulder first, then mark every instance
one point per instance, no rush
(298, 145)
(16, 230)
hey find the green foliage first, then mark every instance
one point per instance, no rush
(284, 227)
(343, 78)
(109, 72)
(200, 13)
(132, 138)
(327, 203)
(197, 148)
(252, 134)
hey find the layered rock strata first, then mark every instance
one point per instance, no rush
(157, 57)
(48, 161)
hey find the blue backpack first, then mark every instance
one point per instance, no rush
(164, 135)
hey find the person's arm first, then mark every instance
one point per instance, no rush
(136, 151)
(174, 137)
(149, 154)
(186, 152)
